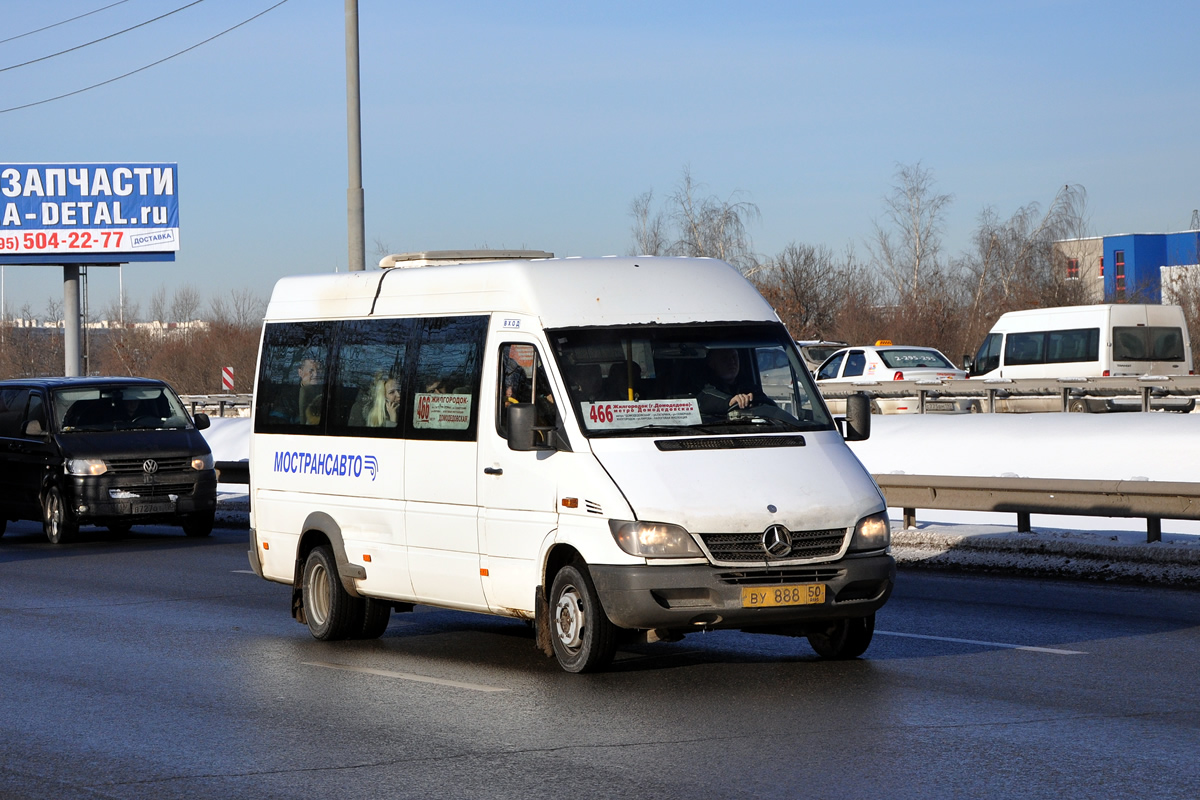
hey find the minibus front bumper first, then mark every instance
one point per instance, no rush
(692, 597)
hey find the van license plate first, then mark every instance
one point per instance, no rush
(807, 594)
(933, 405)
(153, 508)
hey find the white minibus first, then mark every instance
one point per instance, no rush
(1093, 341)
(581, 443)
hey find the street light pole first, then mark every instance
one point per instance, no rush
(354, 195)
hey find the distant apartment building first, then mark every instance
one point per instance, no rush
(1131, 267)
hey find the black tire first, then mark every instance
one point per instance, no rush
(58, 520)
(583, 638)
(331, 612)
(844, 639)
(376, 616)
(200, 524)
(1078, 406)
(3, 525)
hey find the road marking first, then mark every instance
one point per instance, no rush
(1050, 650)
(406, 676)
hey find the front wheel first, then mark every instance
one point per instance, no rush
(58, 521)
(583, 638)
(199, 524)
(329, 609)
(844, 639)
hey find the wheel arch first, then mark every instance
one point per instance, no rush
(322, 529)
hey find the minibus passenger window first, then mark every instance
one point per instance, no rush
(291, 386)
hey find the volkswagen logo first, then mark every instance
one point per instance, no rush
(149, 466)
(777, 541)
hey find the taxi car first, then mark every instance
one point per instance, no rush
(885, 361)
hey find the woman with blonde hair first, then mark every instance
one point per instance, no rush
(384, 408)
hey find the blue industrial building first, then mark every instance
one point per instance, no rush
(1132, 263)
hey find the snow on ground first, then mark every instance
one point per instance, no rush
(1126, 446)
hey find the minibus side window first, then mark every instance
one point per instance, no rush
(290, 395)
(1024, 348)
(1064, 347)
(367, 388)
(444, 402)
(523, 379)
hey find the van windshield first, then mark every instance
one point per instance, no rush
(678, 380)
(117, 407)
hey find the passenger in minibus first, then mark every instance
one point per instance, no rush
(383, 409)
(304, 405)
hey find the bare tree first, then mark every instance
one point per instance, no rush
(649, 236)
(803, 284)
(158, 304)
(906, 253)
(1013, 264)
(54, 310)
(703, 226)
(185, 304)
(243, 309)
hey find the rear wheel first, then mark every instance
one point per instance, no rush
(329, 609)
(58, 521)
(1077, 406)
(198, 524)
(376, 616)
(582, 636)
(844, 639)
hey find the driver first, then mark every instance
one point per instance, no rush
(725, 387)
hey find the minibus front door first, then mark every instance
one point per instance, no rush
(517, 489)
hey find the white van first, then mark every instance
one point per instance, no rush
(543, 440)
(1086, 342)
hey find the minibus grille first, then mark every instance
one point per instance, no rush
(779, 577)
(735, 547)
(729, 443)
(130, 466)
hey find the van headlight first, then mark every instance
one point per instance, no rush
(86, 466)
(872, 533)
(654, 539)
(203, 462)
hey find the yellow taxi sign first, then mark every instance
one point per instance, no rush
(883, 342)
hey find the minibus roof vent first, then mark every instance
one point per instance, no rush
(430, 258)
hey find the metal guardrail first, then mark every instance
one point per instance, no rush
(220, 402)
(1153, 500)
(1148, 388)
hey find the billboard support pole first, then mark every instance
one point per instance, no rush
(71, 321)
(354, 194)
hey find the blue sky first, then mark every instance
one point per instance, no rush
(536, 124)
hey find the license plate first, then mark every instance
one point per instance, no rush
(806, 594)
(153, 508)
(938, 406)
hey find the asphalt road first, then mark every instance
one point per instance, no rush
(155, 666)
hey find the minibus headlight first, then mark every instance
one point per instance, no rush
(86, 466)
(203, 462)
(872, 533)
(654, 539)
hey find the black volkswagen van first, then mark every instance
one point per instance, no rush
(115, 452)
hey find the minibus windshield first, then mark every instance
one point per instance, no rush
(112, 408)
(677, 380)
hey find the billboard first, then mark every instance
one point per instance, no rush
(88, 213)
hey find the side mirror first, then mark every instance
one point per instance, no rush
(201, 420)
(968, 363)
(858, 418)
